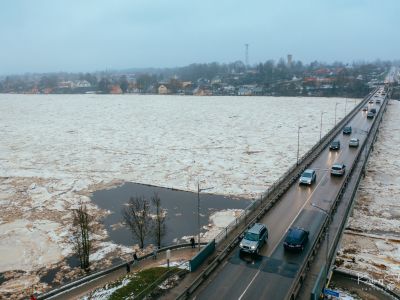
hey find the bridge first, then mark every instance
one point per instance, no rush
(322, 209)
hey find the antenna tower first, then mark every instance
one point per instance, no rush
(247, 54)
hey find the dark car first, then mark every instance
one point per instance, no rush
(347, 130)
(335, 145)
(296, 239)
(373, 110)
(370, 115)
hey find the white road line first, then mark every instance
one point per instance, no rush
(244, 292)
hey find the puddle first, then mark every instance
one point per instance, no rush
(181, 209)
(49, 276)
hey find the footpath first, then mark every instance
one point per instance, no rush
(177, 256)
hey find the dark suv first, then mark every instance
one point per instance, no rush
(296, 239)
(254, 238)
(347, 130)
(335, 145)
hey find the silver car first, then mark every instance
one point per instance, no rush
(308, 177)
(338, 169)
(354, 142)
(254, 238)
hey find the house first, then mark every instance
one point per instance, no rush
(82, 84)
(115, 89)
(163, 90)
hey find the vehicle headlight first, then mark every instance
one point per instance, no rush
(240, 245)
(253, 247)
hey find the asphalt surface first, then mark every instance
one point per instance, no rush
(270, 275)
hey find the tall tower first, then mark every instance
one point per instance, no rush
(289, 60)
(246, 54)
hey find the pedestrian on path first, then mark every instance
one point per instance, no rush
(128, 268)
(155, 253)
(192, 243)
(135, 258)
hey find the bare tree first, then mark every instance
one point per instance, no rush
(159, 219)
(81, 235)
(137, 217)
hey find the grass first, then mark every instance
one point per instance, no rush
(140, 281)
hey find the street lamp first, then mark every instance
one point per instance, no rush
(366, 132)
(198, 209)
(327, 237)
(298, 142)
(335, 111)
(345, 108)
(320, 127)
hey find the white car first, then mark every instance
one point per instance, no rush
(354, 142)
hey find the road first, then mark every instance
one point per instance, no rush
(270, 275)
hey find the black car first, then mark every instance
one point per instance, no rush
(347, 130)
(335, 145)
(296, 239)
(370, 115)
(373, 110)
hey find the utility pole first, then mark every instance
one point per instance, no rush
(246, 54)
(298, 142)
(335, 111)
(198, 210)
(320, 126)
(327, 237)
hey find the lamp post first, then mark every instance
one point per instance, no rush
(366, 132)
(198, 209)
(320, 126)
(345, 108)
(327, 237)
(298, 142)
(335, 111)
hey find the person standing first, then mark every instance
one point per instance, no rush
(155, 253)
(128, 268)
(192, 242)
(135, 257)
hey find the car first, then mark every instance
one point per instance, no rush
(371, 101)
(296, 239)
(338, 169)
(373, 110)
(378, 101)
(354, 142)
(370, 115)
(365, 108)
(254, 238)
(308, 177)
(347, 130)
(335, 145)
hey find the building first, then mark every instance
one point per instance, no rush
(163, 90)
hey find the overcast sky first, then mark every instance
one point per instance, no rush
(89, 35)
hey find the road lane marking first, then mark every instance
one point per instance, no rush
(244, 292)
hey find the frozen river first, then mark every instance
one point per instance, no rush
(57, 149)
